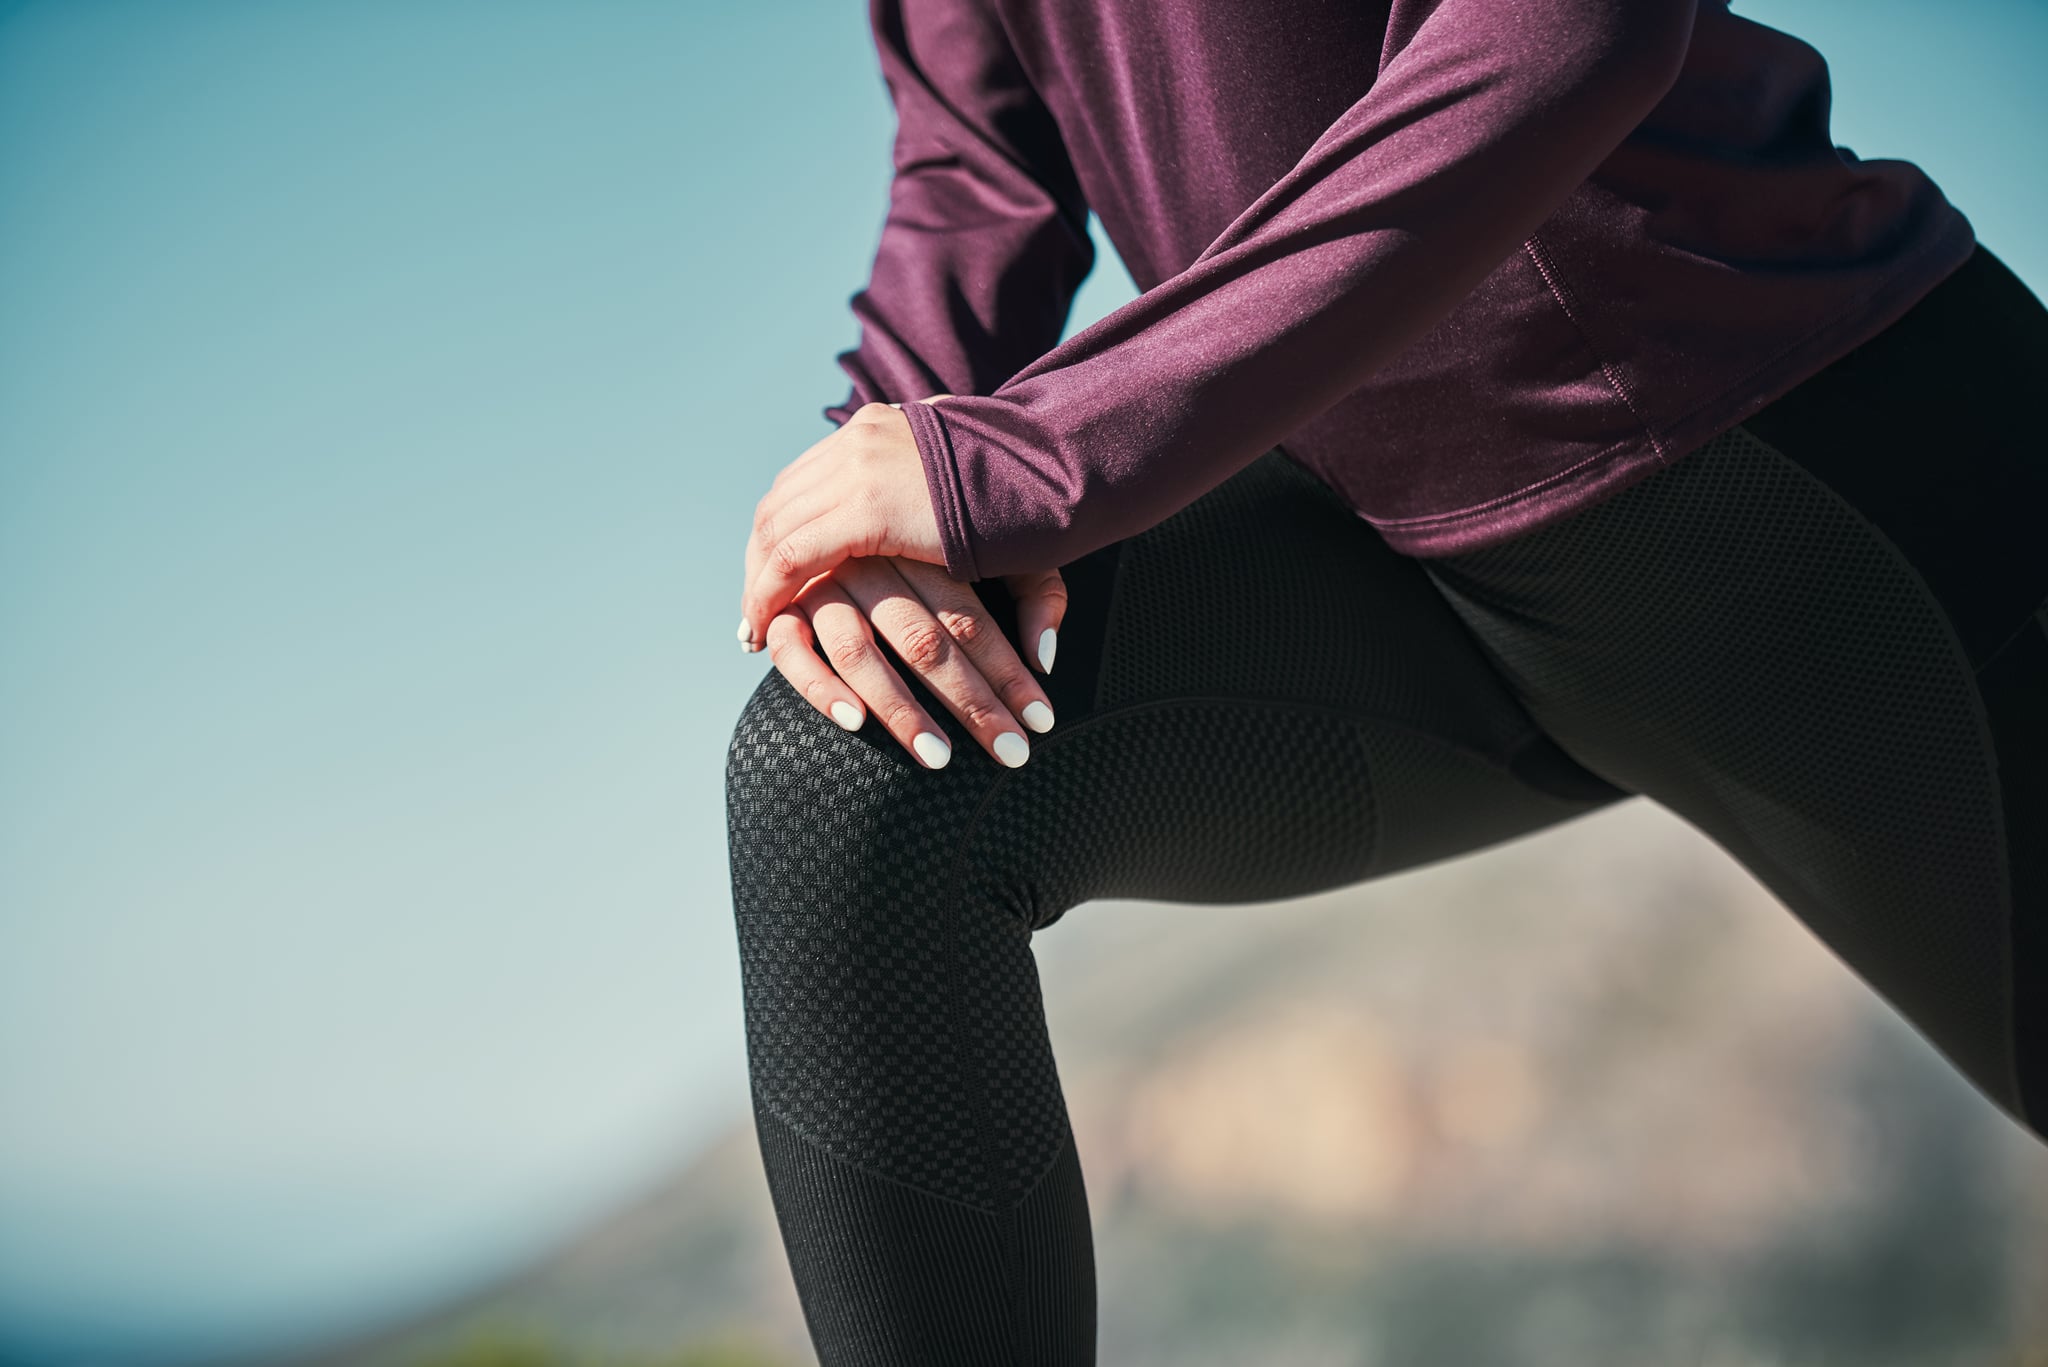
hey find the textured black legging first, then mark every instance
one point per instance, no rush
(1821, 639)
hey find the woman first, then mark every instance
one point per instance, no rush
(1527, 406)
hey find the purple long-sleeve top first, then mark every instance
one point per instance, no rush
(1472, 263)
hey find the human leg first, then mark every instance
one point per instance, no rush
(1255, 700)
(1823, 640)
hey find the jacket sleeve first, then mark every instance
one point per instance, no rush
(985, 242)
(1484, 115)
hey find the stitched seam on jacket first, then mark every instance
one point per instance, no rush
(1553, 281)
(1479, 510)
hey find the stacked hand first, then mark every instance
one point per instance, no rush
(845, 551)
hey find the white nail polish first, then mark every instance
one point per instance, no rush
(1047, 642)
(1012, 749)
(846, 714)
(932, 749)
(746, 633)
(1037, 716)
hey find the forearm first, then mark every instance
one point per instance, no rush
(985, 241)
(1484, 121)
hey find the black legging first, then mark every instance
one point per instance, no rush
(1822, 639)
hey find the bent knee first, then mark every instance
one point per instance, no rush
(787, 766)
(808, 800)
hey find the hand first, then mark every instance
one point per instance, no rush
(938, 626)
(860, 491)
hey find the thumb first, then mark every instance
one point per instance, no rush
(1041, 598)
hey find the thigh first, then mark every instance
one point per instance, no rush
(1824, 650)
(1257, 699)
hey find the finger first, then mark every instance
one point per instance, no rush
(801, 485)
(791, 648)
(1041, 606)
(966, 617)
(805, 539)
(801, 489)
(847, 639)
(789, 498)
(928, 650)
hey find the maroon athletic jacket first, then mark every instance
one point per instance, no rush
(1473, 263)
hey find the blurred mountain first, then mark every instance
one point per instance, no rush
(1588, 1097)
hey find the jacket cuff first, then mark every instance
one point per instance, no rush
(942, 482)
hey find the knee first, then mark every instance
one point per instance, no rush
(786, 768)
(842, 847)
(812, 808)
(776, 742)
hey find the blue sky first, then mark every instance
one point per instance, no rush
(384, 389)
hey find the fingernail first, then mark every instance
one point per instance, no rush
(1012, 749)
(846, 714)
(1047, 642)
(1037, 716)
(746, 632)
(931, 749)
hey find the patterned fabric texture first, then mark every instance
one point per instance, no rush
(1258, 699)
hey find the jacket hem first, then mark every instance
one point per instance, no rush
(1661, 445)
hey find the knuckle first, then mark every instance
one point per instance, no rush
(984, 714)
(968, 627)
(902, 718)
(923, 646)
(848, 650)
(1014, 685)
(864, 516)
(1043, 587)
(784, 558)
